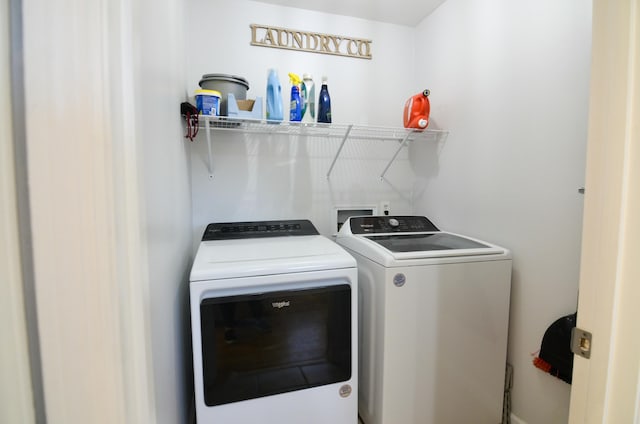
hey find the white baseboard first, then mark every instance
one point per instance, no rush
(516, 420)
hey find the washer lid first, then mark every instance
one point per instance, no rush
(412, 240)
(425, 242)
(218, 259)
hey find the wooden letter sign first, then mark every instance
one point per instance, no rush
(314, 42)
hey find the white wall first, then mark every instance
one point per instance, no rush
(258, 177)
(362, 91)
(510, 81)
(164, 168)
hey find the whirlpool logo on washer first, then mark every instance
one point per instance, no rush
(280, 305)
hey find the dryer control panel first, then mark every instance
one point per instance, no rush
(259, 229)
(391, 224)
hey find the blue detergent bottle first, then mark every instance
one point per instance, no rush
(324, 103)
(295, 108)
(274, 97)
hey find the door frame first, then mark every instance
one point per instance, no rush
(16, 390)
(606, 388)
(89, 264)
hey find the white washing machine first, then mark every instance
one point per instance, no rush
(274, 326)
(434, 313)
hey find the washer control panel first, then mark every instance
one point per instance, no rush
(391, 224)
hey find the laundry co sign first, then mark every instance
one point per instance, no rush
(315, 42)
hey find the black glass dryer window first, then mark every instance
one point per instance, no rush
(263, 344)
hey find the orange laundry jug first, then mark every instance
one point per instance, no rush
(416, 111)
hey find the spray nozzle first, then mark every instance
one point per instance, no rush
(294, 78)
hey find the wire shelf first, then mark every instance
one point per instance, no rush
(342, 131)
(363, 132)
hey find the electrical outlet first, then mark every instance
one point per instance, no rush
(385, 207)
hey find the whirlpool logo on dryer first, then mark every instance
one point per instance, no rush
(280, 305)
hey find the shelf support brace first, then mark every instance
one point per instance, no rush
(404, 142)
(207, 127)
(335, 158)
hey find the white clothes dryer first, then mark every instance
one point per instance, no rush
(434, 313)
(274, 330)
